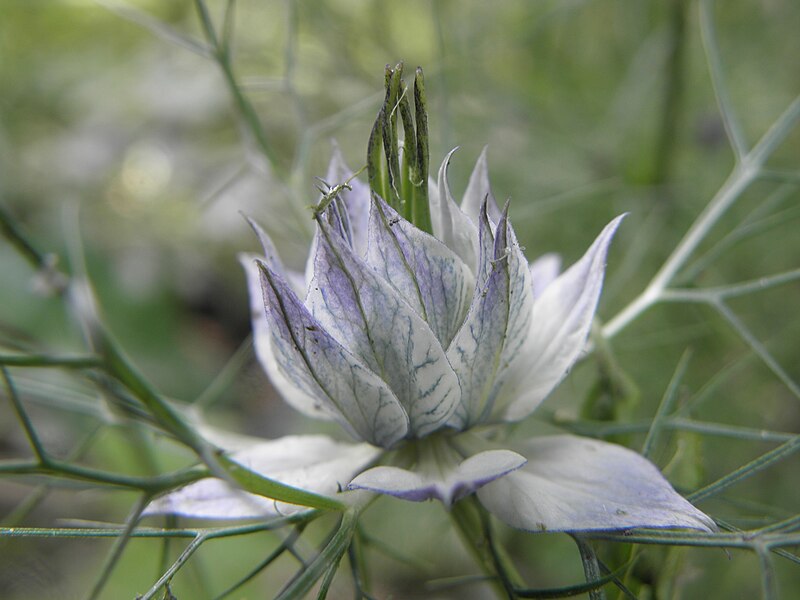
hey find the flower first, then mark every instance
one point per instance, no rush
(414, 343)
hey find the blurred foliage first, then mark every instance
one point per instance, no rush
(129, 142)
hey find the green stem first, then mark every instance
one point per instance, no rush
(326, 560)
(673, 93)
(44, 263)
(243, 105)
(119, 546)
(466, 516)
(41, 360)
(52, 467)
(22, 415)
(591, 568)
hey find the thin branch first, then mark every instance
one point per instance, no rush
(758, 348)
(175, 567)
(43, 360)
(665, 407)
(158, 28)
(22, 415)
(729, 119)
(743, 174)
(243, 105)
(119, 546)
(769, 588)
(764, 461)
(716, 294)
(603, 429)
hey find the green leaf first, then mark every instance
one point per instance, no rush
(326, 561)
(258, 484)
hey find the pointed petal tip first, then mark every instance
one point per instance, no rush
(246, 259)
(448, 483)
(576, 484)
(563, 314)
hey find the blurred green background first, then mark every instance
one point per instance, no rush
(120, 135)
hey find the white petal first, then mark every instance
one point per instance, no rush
(544, 271)
(309, 356)
(435, 208)
(314, 463)
(262, 342)
(455, 228)
(429, 276)
(447, 483)
(356, 200)
(366, 315)
(499, 319)
(578, 484)
(478, 191)
(271, 257)
(562, 318)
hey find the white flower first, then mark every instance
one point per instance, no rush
(409, 341)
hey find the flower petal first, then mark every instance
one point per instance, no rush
(496, 325)
(310, 357)
(451, 226)
(479, 191)
(294, 395)
(578, 484)
(356, 200)
(426, 273)
(544, 271)
(271, 257)
(450, 482)
(562, 318)
(313, 463)
(368, 316)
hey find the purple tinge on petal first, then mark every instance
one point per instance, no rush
(366, 315)
(429, 276)
(356, 200)
(562, 318)
(578, 484)
(307, 355)
(496, 326)
(271, 258)
(449, 483)
(314, 463)
(479, 191)
(295, 395)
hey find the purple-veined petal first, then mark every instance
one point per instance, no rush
(578, 484)
(478, 191)
(356, 200)
(496, 326)
(271, 257)
(453, 227)
(314, 463)
(485, 251)
(367, 316)
(544, 271)
(562, 318)
(295, 396)
(338, 220)
(447, 483)
(309, 356)
(309, 270)
(428, 275)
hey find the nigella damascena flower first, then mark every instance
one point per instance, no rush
(415, 343)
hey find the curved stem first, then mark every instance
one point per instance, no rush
(743, 174)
